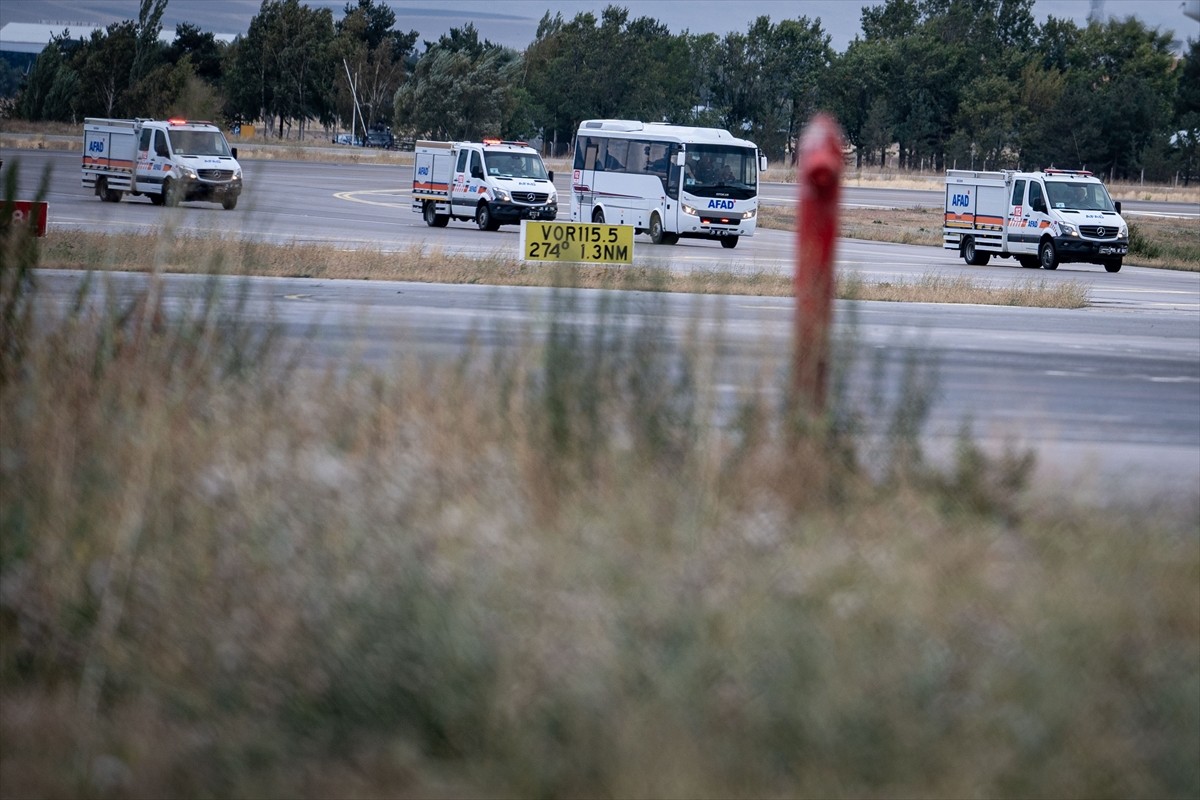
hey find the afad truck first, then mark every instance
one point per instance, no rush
(492, 183)
(169, 161)
(1042, 219)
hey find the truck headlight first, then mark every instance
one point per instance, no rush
(1068, 229)
(1123, 232)
(189, 173)
(501, 195)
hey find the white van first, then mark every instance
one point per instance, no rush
(1043, 219)
(169, 161)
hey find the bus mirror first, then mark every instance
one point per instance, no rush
(762, 163)
(680, 158)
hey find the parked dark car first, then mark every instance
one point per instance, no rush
(382, 139)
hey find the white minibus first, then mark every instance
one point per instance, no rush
(668, 181)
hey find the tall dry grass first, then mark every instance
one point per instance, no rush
(542, 571)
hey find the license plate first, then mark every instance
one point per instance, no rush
(1112, 251)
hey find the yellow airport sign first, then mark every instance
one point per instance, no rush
(576, 241)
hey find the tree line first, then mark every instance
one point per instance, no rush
(929, 84)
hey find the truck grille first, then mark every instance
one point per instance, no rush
(533, 198)
(1099, 231)
(215, 174)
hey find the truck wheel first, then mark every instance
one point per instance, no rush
(1028, 262)
(157, 199)
(484, 218)
(729, 242)
(1047, 255)
(432, 218)
(107, 195)
(229, 202)
(973, 256)
(1113, 265)
(170, 193)
(656, 229)
(598, 216)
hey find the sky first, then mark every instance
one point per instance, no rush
(514, 22)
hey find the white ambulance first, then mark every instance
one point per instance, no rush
(169, 161)
(492, 182)
(1043, 219)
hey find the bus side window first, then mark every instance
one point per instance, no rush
(617, 157)
(580, 146)
(637, 157)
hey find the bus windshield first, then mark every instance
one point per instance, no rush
(715, 170)
(515, 165)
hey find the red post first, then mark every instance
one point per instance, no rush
(25, 212)
(819, 179)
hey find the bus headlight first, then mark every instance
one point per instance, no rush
(749, 214)
(689, 210)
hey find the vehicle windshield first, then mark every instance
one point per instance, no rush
(721, 171)
(515, 165)
(1074, 196)
(199, 143)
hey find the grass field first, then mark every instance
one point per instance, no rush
(546, 574)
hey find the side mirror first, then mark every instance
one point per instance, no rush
(551, 174)
(233, 150)
(1117, 205)
(680, 158)
(762, 163)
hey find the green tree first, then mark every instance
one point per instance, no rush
(147, 49)
(1122, 82)
(201, 47)
(104, 64)
(43, 74)
(372, 55)
(282, 70)
(461, 88)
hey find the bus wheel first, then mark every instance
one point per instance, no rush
(1047, 255)
(598, 216)
(670, 238)
(656, 229)
(729, 242)
(1113, 266)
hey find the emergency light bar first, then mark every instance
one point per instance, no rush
(1053, 171)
